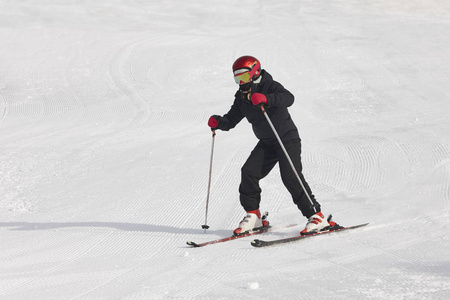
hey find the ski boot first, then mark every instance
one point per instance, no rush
(252, 221)
(317, 223)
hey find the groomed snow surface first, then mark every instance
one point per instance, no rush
(104, 148)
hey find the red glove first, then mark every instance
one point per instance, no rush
(258, 99)
(213, 122)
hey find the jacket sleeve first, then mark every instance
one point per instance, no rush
(231, 118)
(279, 96)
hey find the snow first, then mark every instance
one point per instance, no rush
(104, 148)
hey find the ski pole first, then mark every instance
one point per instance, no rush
(209, 181)
(287, 156)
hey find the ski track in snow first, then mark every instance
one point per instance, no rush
(104, 149)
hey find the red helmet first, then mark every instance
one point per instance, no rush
(246, 69)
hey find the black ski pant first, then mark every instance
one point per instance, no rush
(261, 161)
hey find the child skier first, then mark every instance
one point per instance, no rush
(256, 88)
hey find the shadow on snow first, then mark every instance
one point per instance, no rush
(134, 227)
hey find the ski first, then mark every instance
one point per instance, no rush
(233, 237)
(261, 243)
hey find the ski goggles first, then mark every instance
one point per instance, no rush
(246, 77)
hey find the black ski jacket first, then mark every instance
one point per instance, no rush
(278, 99)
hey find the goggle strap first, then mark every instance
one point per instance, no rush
(254, 69)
